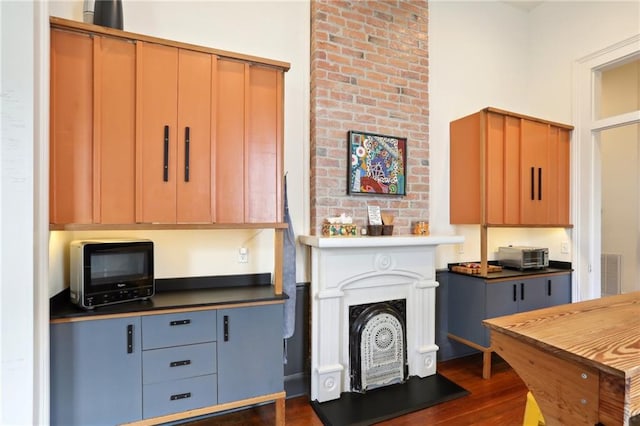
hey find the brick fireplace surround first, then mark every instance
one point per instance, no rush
(369, 73)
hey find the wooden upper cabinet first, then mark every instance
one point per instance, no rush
(509, 170)
(174, 135)
(535, 182)
(230, 146)
(196, 73)
(157, 112)
(92, 129)
(249, 122)
(114, 131)
(71, 128)
(152, 131)
(263, 162)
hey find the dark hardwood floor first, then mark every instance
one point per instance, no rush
(497, 401)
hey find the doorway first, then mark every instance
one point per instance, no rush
(606, 180)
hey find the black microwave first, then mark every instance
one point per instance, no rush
(107, 271)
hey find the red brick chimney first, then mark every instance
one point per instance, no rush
(369, 73)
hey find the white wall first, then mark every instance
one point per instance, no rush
(563, 32)
(492, 54)
(17, 133)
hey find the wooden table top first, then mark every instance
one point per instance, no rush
(603, 333)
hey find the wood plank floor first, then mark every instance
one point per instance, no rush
(497, 401)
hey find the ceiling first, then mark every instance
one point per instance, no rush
(523, 4)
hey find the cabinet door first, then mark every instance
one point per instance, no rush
(465, 170)
(157, 112)
(466, 308)
(532, 294)
(502, 170)
(114, 131)
(558, 289)
(194, 145)
(535, 174)
(264, 146)
(92, 129)
(248, 165)
(96, 372)
(250, 352)
(71, 128)
(559, 176)
(502, 298)
(230, 137)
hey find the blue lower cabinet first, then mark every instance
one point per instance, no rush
(474, 299)
(122, 370)
(96, 372)
(250, 352)
(174, 396)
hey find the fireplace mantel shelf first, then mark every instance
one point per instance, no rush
(385, 241)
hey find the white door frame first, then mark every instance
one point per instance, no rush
(586, 191)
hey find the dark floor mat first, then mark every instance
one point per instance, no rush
(355, 409)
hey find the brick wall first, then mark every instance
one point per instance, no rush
(369, 72)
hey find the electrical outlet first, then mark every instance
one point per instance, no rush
(243, 255)
(460, 248)
(564, 247)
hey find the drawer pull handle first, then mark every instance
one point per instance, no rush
(180, 396)
(180, 322)
(180, 363)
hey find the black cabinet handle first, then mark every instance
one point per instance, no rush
(130, 338)
(180, 322)
(514, 293)
(165, 165)
(180, 363)
(187, 142)
(180, 396)
(533, 171)
(548, 287)
(539, 183)
(226, 328)
(521, 291)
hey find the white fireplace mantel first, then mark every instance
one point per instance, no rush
(348, 271)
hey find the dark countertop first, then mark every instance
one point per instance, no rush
(62, 308)
(555, 267)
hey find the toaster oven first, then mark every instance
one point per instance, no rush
(523, 257)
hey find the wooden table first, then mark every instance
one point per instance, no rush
(581, 361)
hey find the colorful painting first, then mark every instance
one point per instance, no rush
(378, 164)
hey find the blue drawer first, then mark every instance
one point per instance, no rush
(180, 362)
(162, 331)
(159, 399)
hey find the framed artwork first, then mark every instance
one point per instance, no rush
(377, 164)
